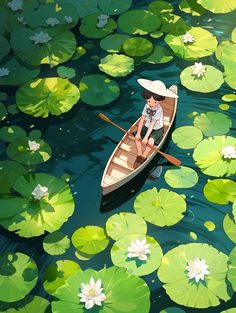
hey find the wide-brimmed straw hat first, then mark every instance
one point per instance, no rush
(158, 87)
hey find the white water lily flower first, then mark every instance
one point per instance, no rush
(40, 38)
(21, 20)
(33, 145)
(15, 5)
(91, 293)
(187, 37)
(52, 21)
(4, 71)
(139, 249)
(228, 152)
(68, 19)
(102, 20)
(199, 69)
(39, 192)
(197, 269)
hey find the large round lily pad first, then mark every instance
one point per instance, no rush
(210, 81)
(137, 47)
(119, 288)
(158, 7)
(119, 255)
(83, 7)
(181, 177)
(213, 123)
(173, 24)
(218, 6)
(124, 223)
(57, 273)
(53, 47)
(139, 22)
(90, 26)
(113, 7)
(210, 159)
(28, 304)
(232, 268)
(37, 216)
(161, 208)
(229, 226)
(221, 47)
(56, 243)
(220, 191)
(192, 7)
(187, 291)
(229, 62)
(19, 150)
(90, 239)
(204, 44)
(47, 95)
(113, 43)
(18, 273)
(159, 55)
(98, 90)
(116, 65)
(9, 171)
(187, 137)
(11, 133)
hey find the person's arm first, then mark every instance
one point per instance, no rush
(140, 126)
(150, 128)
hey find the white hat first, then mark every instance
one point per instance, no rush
(157, 86)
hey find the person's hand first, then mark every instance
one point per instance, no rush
(138, 137)
(145, 140)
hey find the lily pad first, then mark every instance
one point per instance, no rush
(232, 310)
(98, 90)
(57, 47)
(228, 53)
(119, 255)
(204, 44)
(83, 256)
(229, 97)
(11, 133)
(118, 286)
(47, 214)
(137, 47)
(19, 150)
(158, 7)
(211, 80)
(79, 52)
(230, 227)
(222, 46)
(210, 225)
(213, 123)
(116, 65)
(4, 47)
(57, 273)
(12, 109)
(113, 43)
(84, 7)
(192, 7)
(186, 291)
(3, 96)
(160, 55)
(66, 72)
(47, 95)
(36, 133)
(89, 27)
(173, 24)
(209, 158)
(232, 269)
(172, 310)
(26, 305)
(224, 106)
(218, 6)
(56, 243)
(220, 191)
(124, 223)
(139, 22)
(18, 272)
(9, 171)
(113, 7)
(161, 208)
(3, 112)
(187, 137)
(181, 177)
(233, 35)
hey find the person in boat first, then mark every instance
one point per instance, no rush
(151, 124)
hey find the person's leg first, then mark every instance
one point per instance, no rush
(148, 149)
(139, 147)
(154, 138)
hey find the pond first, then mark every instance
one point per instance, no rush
(81, 144)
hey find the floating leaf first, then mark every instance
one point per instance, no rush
(192, 7)
(36, 133)
(222, 46)
(119, 288)
(158, 7)
(137, 47)
(193, 235)
(3, 112)
(18, 150)
(3, 96)
(181, 177)
(47, 95)
(37, 216)
(90, 239)
(232, 269)
(4, 47)
(160, 55)
(113, 7)
(113, 43)
(89, 27)
(213, 123)
(116, 65)
(173, 24)
(124, 223)
(233, 35)
(220, 191)
(79, 52)
(57, 273)
(132, 22)
(204, 44)
(187, 137)
(56, 243)
(28, 304)
(209, 158)
(228, 53)
(218, 6)
(230, 227)
(11, 133)
(18, 272)
(224, 107)
(83, 256)
(58, 49)
(84, 7)
(232, 310)
(186, 291)
(156, 34)
(172, 310)
(229, 97)
(98, 90)
(161, 208)
(9, 171)
(210, 225)
(119, 255)
(66, 72)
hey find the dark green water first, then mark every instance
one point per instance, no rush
(82, 144)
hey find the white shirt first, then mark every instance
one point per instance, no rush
(153, 114)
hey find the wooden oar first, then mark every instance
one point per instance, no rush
(168, 157)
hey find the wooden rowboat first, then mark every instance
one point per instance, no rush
(119, 169)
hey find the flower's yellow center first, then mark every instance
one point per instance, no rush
(92, 292)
